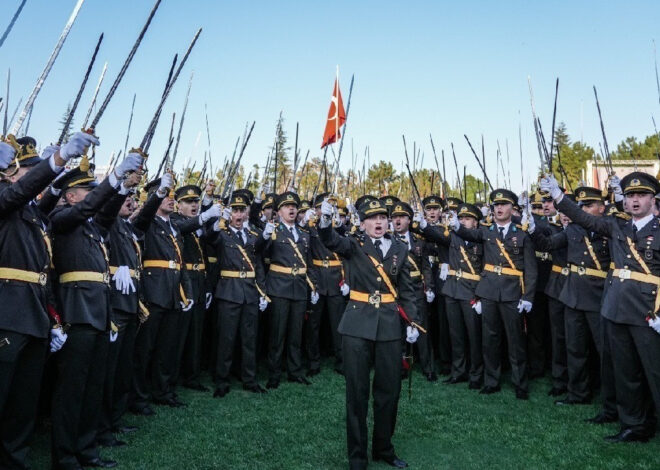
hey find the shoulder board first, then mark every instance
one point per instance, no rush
(418, 236)
(483, 223)
(622, 215)
(252, 232)
(518, 226)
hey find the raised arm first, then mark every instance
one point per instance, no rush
(70, 217)
(343, 246)
(602, 225)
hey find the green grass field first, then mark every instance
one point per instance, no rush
(298, 427)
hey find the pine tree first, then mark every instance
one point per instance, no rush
(62, 123)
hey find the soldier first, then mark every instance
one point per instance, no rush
(588, 261)
(240, 293)
(332, 289)
(422, 277)
(290, 273)
(187, 221)
(128, 311)
(632, 299)
(25, 262)
(463, 307)
(81, 261)
(438, 256)
(557, 277)
(506, 290)
(168, 296)
(371, 328)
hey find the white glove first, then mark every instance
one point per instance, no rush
(615, 186)
(454, 224)
(78, 145)
(430, 296)
(326, 208)
(411, 334)
(113, 336)
(49, 151)
(7, 153)
(209, 299)
(444, 271)
(484, 211)
(419, 218)
(524, 305)
(477, 307)
(549, 185)
(166, 183)
(210, 213)
(123, 280)
(654, 323)
(263, 303)
(314, 297)
(226, 213)
(132, 162)
(185, 307)
(309, 214)
(351, 209)
(345, 289)
(268, 230)
(57, 339)
(523, 200)
(526, 218)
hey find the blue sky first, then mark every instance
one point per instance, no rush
(449, 68)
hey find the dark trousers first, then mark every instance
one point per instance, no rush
(286, 324)
(119, 373)
(558, 336)
(636, 350)
(155, 356)
(607, 380)
(359, 356)
(77, 396)
(581, 328)
(537, 335)
(192, 351)
(500, 319)
(424, 343)
(334, 305)
(234, 318)
(465, 331)
(21, 368)
(443, 339)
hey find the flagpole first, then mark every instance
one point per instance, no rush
(337, 109)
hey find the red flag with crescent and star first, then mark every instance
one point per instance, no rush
(336, 117)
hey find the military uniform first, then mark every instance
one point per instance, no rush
(238, 290)
(25, 261)
(588, 261)
(165, 284)
(290, 274)
(371, 335)
(331, 275)
(632, 296)
(508, 277)
(422, 276)
(127, 312)
(82, 265)
(465, 266)
(191, 323)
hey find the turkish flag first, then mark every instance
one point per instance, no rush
(336, 117)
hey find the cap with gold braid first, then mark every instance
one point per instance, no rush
(469, 210)
(503, 196)
(372, 208)
(81, 176)
(26, 153)
(640, 182)
(587, 195)
(402, 208)
(288, 197)
(188, 193)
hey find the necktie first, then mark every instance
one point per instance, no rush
(294, 233)
(634, 227)
(501, 229)
(239, 235)
(377, 244)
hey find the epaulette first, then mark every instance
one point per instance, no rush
(252, 232)
(519, 227)
(622, 215)
(485, 223)
(418, 236)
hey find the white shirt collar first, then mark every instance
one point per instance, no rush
(641, 223)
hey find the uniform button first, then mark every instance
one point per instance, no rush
(379, 279)
(585, 252)
(627, 256)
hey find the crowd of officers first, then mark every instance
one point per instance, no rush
(112, 297)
